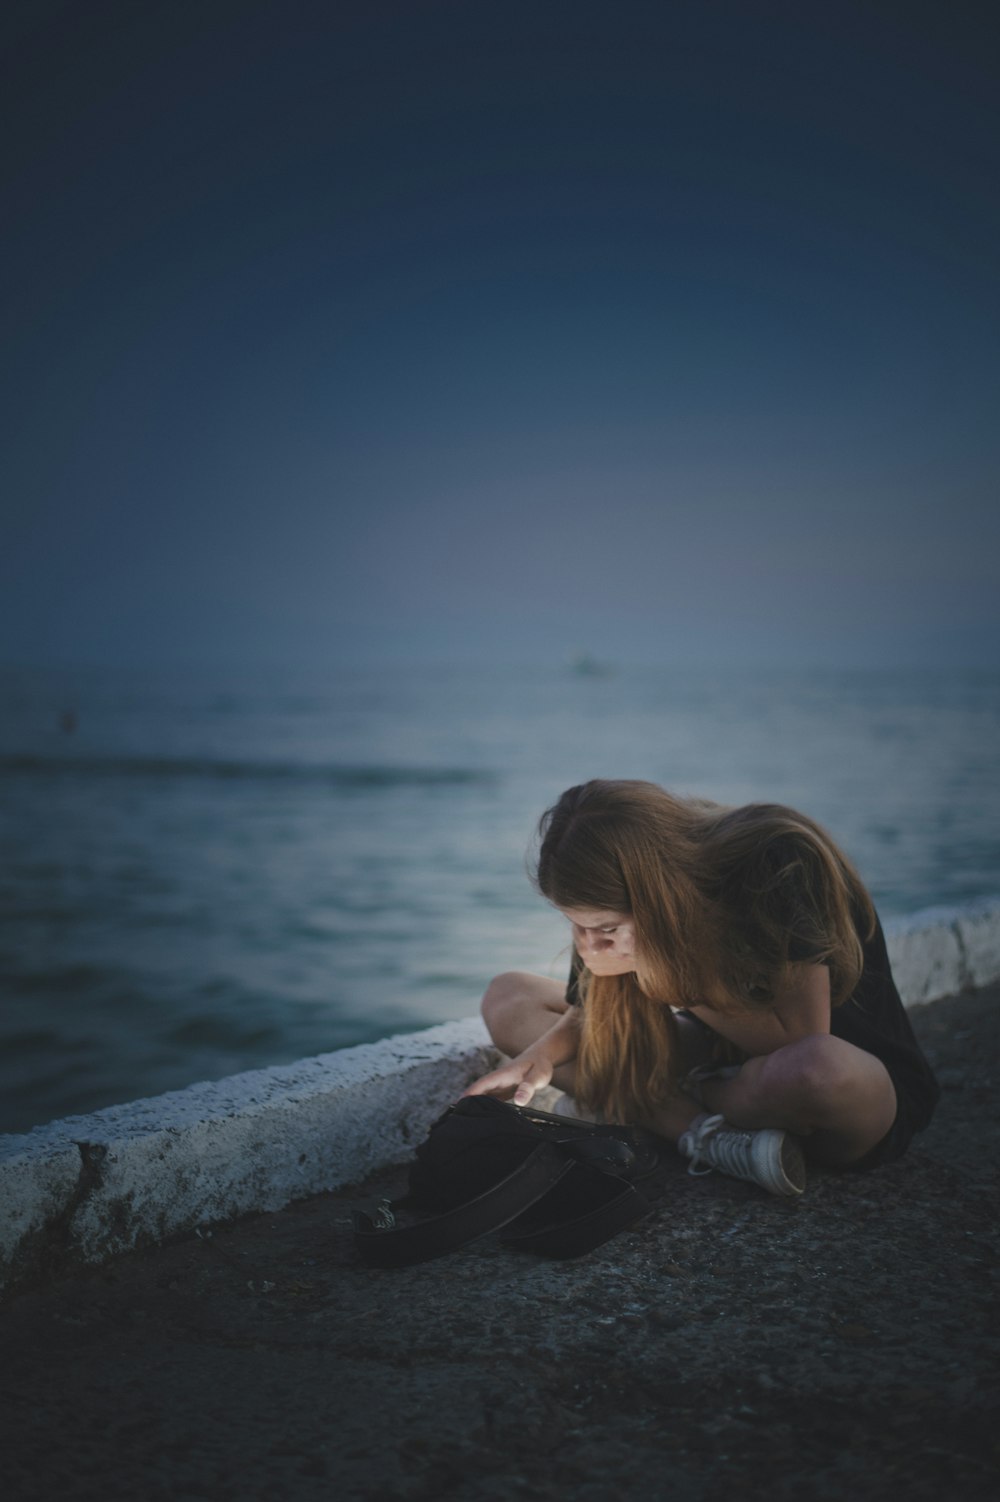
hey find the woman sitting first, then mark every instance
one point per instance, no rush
(730, 989)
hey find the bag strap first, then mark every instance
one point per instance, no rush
(628, 1201)
(563, 1239)
(383, 1244)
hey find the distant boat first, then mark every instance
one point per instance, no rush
(586, 666)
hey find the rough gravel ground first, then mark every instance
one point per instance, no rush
(844, 1346)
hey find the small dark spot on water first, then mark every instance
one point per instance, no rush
(67, 979)
(217, 986)
(28, 1040)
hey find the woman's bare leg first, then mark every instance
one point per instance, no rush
(837, 1098)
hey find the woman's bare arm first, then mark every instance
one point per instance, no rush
(533, 1069)
(801, 1008)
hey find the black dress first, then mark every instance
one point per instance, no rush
(874, 1018)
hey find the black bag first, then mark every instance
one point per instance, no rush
(549, 1184)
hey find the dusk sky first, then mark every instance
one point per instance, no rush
(425, 331)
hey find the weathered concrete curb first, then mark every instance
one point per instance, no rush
(90, 1187)
(944, 949)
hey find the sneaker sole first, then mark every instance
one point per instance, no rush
(780, 1162)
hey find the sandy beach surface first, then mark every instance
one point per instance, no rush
(843, 1346)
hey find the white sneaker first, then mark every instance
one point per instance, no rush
(768, 1157)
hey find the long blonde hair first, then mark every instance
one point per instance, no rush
(723, 900)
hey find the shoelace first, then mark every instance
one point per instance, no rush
(729, 1147)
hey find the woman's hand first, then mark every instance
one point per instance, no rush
(517, 1080)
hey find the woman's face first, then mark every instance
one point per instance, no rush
(605, 941)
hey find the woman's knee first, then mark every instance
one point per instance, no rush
(518, 1005)
(823, 1064)
(826, 1075)
(503, 991)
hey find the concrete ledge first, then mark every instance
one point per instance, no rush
(978, 929)
(941, 950)
(90, 1187)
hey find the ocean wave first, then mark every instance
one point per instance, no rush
(348, 778)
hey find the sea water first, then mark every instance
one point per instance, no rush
(203, 874)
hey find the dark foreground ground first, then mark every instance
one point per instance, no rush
(842, 1347)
